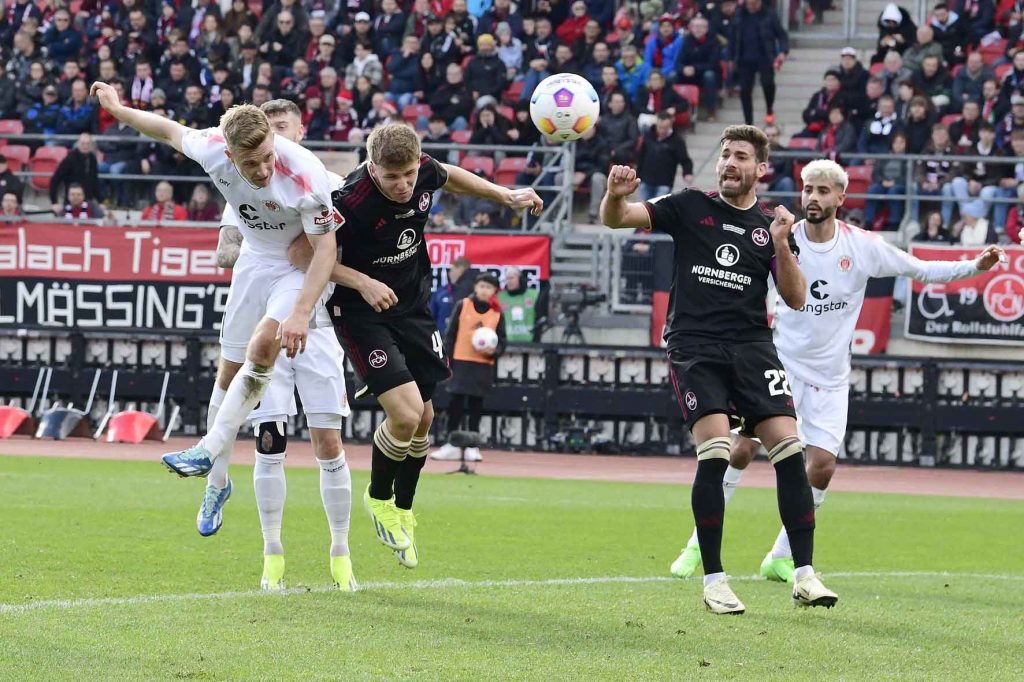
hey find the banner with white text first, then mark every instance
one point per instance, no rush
(987, 308)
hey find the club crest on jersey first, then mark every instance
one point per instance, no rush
(378, 359)
(845, 264)
(323, 218)
(272, 205)
(424, 201)
(760, 236)
(406, 239)
(727, 255)
(691, 401)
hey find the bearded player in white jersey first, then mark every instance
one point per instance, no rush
(320, 378)
(814, 342)
(281, 190)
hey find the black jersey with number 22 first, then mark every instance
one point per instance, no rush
(384, 239)
(723, 258)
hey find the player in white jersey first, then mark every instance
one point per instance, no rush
(320, 377)
(814, 342)
(281, 190)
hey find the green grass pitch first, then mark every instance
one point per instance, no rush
(103, 576)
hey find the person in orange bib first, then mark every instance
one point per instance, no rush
(474, 355)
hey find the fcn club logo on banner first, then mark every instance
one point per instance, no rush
(987, 308)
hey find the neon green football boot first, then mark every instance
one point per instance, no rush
(687, 562)
(341, 571)
(779, 570)
(385, 522)
(410, 557)
(273, 572)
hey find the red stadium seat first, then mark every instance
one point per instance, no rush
(17, 156)
(15, 420)
(132, 426)
(950, 119)
(1001, 71)
(508, 169)
(876, 68)
(461, 136)
(994, 52)
(860, 178)
(11, 126)
(507, 111)
(479, 164)
(412, 112)
(691, 93)
(513, 92)
(46, 161)
(810, 143)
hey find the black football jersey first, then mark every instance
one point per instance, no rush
(384, 240)
(723, 258)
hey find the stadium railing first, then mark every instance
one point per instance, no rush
(905, 411)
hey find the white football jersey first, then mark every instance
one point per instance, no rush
(814, 341)
(297, 200)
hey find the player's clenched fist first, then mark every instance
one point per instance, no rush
(782, 225)
(988, 258)
(378, 295)
(622, 181)
(106, 95)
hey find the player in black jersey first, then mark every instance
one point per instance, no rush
(380, 311)
(723, 361)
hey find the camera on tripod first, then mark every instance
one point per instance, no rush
(573, 300)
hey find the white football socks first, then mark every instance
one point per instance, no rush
(218, 476)
(712, 577)
(271, 488)
(245, 391)
(336, 493)
(729, 483)
(781, 548)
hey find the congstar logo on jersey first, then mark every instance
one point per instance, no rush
(819, 292)
(253, 221)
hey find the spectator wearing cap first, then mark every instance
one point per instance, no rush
(969, 81)
(366, 64)
(362, 31)
(501, 12)
(441, 42)
(344, 119)
(62, 40)
(437, 133)
(1011, 123)
(164, 209)
(42, 117)
(934, 81)
(662, 47)
(698, 64)
(79, 114)
(79, 167)
(406, 85)
(326, 54)
(388, 28)
(10, 203)
(453, 101)
(979, 16)
(950, 33)
(486, 73)
(838, 137)
(9, 182)
(510, 51)
(896, 32)
(816, 113)
(853, 77)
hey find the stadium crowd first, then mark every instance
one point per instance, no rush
(463, 71)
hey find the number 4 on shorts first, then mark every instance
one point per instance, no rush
(435, 340)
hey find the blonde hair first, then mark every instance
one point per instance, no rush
(828, 169)
(393, 145)
(245, 127)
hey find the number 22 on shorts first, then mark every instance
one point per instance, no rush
(777, 383)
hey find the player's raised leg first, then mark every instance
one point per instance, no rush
(407, 479)
(741, 455)
(211, 511)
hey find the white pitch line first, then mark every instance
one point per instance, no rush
(443, 583)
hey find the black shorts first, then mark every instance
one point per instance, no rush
(390, 351)
(744, 380)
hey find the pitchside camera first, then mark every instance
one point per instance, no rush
(576, 299)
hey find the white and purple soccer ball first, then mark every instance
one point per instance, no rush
(564, 107)
(485, 339)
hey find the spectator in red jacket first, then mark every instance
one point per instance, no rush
(164, 208)
(573, 28)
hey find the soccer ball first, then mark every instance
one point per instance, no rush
(485, 338)
(564, 107)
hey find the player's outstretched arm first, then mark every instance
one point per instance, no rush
(295, 328)
(789, 280)
(891, 262)
(616, 212)
(461, 181)
(150, 125)
(377, 295)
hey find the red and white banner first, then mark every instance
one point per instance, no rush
(166, 279)
(871, 335)
(986, 309)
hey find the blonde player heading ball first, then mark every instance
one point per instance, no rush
(814, 340)
(281, 191)
(319, 375)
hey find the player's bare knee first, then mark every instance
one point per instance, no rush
(821, 466)
(327, 443)
(404, 419)
(264, 346)
(271, 438)
(226, 371)
(742, 452)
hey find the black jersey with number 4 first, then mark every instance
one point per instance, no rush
(384, 239)
(723, 258)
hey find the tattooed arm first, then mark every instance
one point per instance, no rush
(228, 244)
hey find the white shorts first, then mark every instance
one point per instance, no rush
(319, 374)
(260, 287)
(820, 414)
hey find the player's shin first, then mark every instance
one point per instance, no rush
(218, 476)
(269, 483)
(408, 475)
(388, 455)
(245, 391)
(796, 504)
(336, 494)
(708, 501)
